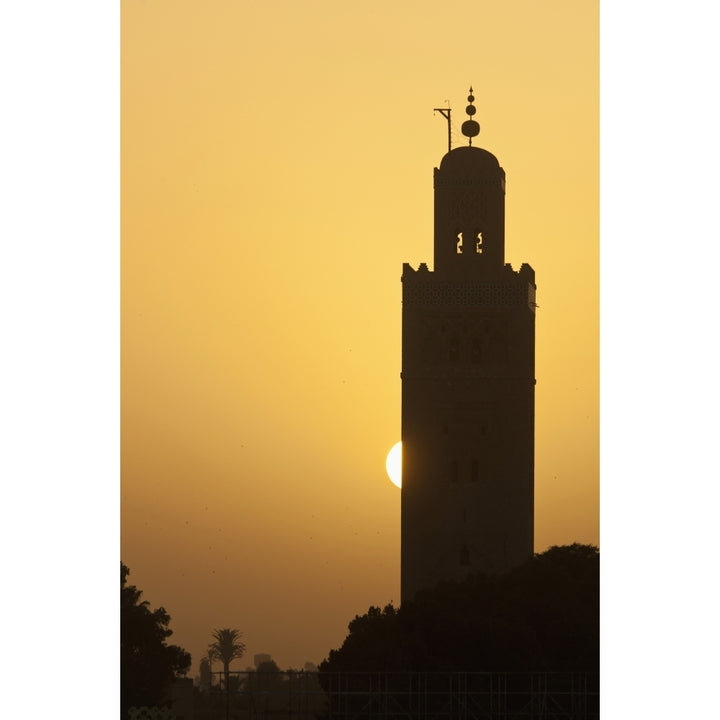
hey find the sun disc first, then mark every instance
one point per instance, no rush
(393, 464)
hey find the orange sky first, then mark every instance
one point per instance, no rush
(276, 171)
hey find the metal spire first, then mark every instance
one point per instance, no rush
(445, 112)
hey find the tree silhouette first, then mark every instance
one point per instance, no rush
(148, 665)
(543, 615)
(226, 648)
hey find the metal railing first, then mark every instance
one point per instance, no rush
(413, 696)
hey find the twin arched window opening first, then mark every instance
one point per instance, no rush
(474, 244)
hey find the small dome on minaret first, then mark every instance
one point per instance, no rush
(469, 206)
(470, 128)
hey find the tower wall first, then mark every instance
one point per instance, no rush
(468, 377)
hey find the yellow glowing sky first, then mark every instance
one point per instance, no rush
(276, 171)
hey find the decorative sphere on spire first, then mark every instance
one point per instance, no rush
(470, 128)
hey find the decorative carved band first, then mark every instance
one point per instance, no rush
(469, 295)
(497, 182)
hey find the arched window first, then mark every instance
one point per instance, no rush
(454, 471)
(476, 350)
(454, 348)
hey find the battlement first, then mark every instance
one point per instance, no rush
(508, 288)
(526, 271)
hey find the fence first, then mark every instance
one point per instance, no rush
(414, 696)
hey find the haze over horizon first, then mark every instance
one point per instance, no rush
(276, 172)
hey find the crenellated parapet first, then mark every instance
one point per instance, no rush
(503, 288)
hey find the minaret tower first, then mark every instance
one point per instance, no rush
(468, 384)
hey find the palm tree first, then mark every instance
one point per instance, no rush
(226, 648)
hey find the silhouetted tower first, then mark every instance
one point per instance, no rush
(468, 385)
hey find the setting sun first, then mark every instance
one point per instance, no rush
(393, 464)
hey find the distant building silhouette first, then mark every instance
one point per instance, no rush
(468, 384)
(261, 658)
